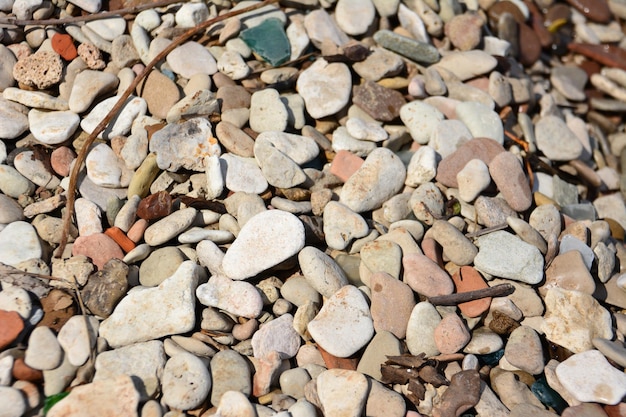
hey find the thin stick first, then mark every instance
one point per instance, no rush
(82, 155)
(88, 17)
(463, 297)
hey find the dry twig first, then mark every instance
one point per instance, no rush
(80, 159)
(463, 297)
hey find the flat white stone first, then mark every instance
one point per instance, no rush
(344, 324)
(35, 169)
(133, 108)
(170, 226)
(88, 217)
(242, 174)
(236, 297)
(35, 99)
(589, 377)
(321, 271)
(191, 14)
(144, 361)
(14, 403)
(467, 64)
(301, 149)
(191, 58)
(344, 141)
(342, 225)
(277, 335)
(91, 6)
(150, 313)
(13, 118)
(421, 119)
(556, 140)
(354, 16)
(232, 64)
(325, 87)
(108, 29)
(481, 120)
(88, 85)
(19, 242)
(266, 239)
(106, 169)
(448, 135)
(422, 166)
(52, 127)
(278, 169)
(78, 337)
(381, 176)
(507, 256)
(473, 179)
(364, 130)
(342, 392)
(267, 111)
(186, 381)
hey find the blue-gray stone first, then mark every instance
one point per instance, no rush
(421, 52)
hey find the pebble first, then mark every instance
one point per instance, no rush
(573, 319)
(507, 174)
(421, 52)
(391, 304)
(493, 258)
(468, 279)
(277, 335)
(235, 404)
(116, 396)
(267, 112)
(383, 344)
(242, 174)
(458, 248)
(43, 352)
(321, 272)
(451, 334)
(524, 351)
(184, 145)
(568, 271)
(144, 361)
(390, 173)
(282, 230)
(342, 392)
(344, 324)
(566, 148)
(425, 276)
(135, 321)
(325, 87)
(467, 64)
(421, 328)
(605, 385)
(421, 119)
(422, 167)
(342, 225)
(10, 210)
(186, 381)
(52, 127)
(170, 226)
(133, 108)
(481, 120)
(41, 70)
(229, 372)
(12, 326)
(236, 297)
(99, 247)
(19, 242)
(379, 102)
(77, 337)
(191, 58)
(14, 120)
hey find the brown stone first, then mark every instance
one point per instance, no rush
(605, 54)
(155, 206)
(468, 279)
(235, 140)
(105, 288)
(502, 324)
(538, 24)
(426, 277)
(501, 7)
(379, 102)
(596, 10)
(464, 31)
(333, 362)
(484, 149)
(23, 372)
(60, 159)
(233, 97)
(160, 93)
(392, 304)
(462, 394)
(508, 175)
(529, 45)
(11, 325)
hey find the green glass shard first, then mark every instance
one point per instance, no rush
(269, 41)
(52, 400)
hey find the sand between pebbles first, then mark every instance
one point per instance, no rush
(282, 217)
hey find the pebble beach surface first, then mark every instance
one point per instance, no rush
(320, 207)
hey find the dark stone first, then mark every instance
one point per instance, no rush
(155, 206)
(502, 324)
(106, 288)
(379, 102)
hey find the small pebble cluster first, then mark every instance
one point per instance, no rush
(321, 207)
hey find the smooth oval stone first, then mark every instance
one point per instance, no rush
(420, 330)
(451, 334)
(421, 119)
(325, 87)
(19, 242)
(392, 304)
(77, 337)
(236, 297)
(426, 277)
(421, 52)
(344, 324)
(52, 127)
(10, 210)
(170, 226)
(13, 116)
(480, 120)
(277, 335)
(510, 179)
(191, 58)
(229, 372)
(321, 271)
(556, 140)
(524, 351)
(266, 239)
(467, 64)
(186, 381)
(342, 225)
(242, 174)
(380, 177)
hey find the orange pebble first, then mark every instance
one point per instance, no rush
(345, 164)
(120, 238)
(23, 372)
(64, 46)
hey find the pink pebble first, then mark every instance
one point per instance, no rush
(61, 160)
(135, 233)
(99, 247)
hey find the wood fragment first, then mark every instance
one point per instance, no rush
(82, 155)
(407, 361)
(500, 290)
